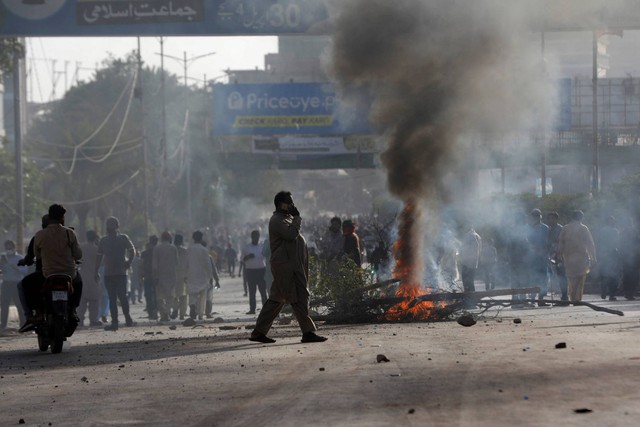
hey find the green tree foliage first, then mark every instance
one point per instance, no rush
(97, 179)
(34, 207)
(9, 46)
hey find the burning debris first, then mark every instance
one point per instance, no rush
(438, 72)
(441, 75)
(408, 269)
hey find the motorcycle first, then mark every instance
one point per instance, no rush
(58, 318)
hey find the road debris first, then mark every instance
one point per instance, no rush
(382, 358)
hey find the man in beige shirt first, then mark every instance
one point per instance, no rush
(577, 253)
(57, 246)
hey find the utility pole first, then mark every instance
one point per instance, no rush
(595, 184)
(187, 148)
(185, 65)
(164, 178)
(543, 140)
(145, 158)
(17, 123)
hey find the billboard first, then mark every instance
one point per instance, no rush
(161, 17)
(285, 109)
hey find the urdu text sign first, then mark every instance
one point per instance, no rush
(161, 17)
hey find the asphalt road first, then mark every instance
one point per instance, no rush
(494, 373)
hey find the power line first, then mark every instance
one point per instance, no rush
(79, 146)
(124, 122)
(102, 196)
(125, 150)
(94, 147)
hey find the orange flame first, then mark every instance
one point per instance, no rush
(408, 269)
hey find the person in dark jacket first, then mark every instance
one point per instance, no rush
(351, 242)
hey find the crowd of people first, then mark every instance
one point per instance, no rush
(175, 280)
(538, 252)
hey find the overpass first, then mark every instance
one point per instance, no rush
(259, 17)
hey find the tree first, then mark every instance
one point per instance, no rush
(9, 46)
(90, 144)
(34, 207)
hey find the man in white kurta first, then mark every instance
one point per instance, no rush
(578, 253)
(199, 275)
(164, 267)
(91, 289)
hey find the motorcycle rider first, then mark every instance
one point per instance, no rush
(29, 286)
(57, 246)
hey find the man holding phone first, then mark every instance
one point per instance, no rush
(290, 269)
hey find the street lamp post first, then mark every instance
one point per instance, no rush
(186, 62)
(595, 183)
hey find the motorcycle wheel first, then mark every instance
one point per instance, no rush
(43, 342)
(58, 334)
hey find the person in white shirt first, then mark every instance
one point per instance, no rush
(470, 248)
(255, 269)
(199, 275)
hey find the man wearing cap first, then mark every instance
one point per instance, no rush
(538, 238)
(117, 251)
(290, 268)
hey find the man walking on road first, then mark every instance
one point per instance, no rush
(117, 251)
(199, 275)
(254, 269)
(578, 254)
(164, 266)
(91, 291)
(290, 268)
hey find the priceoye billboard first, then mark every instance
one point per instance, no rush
(161, 17)
(285, 109)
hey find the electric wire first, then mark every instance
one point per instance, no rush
(183, 160)
(34, 67)
(102, 196)
(44, 54)
(88, 139)
(93, 147)
(122, 125)
(124, 150)
(180, 146)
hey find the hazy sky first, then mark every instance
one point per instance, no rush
(83, 54)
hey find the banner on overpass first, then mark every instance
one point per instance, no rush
(285, 109)
(161, 17)
(254, 17)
